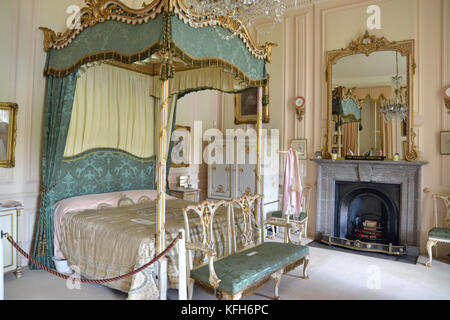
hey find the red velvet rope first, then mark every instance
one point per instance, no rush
(64, 276)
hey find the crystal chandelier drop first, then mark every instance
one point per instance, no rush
(396, 107)
(242, 12)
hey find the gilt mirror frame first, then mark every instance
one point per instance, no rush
(368, 44)
(10, 144)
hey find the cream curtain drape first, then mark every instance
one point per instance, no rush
(206, 78)
(350, 133)
(113, 109)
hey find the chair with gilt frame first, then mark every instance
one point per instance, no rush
(437, 234)
(299, 225)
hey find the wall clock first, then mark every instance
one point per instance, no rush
(446, 93)
(300, 107)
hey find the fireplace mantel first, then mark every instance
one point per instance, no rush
(406, 174)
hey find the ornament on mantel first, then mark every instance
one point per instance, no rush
(300, 107)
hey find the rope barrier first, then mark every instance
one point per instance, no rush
(101, 281)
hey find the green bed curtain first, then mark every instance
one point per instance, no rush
(60, 94)
(55, 169)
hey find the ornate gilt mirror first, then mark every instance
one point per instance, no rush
(8, 119)
(370, 99)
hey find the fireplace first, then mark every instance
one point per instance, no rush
(369, 205)
(367, 212)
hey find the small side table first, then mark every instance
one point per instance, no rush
(186, 194)
(10, 223)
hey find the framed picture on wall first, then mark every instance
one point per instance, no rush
(445, 142)
(181, 138)
(246, 107)
(8, 131)
(300, 146)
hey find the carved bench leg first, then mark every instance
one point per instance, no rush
(305, 266)
(190, 288)
(430, 245)
(277, 279)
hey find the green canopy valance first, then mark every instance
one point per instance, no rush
(156, 36)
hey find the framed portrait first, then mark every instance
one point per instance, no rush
(300, 146)
(445, 142)
(246, 107)
(181, 148)
(8, 131)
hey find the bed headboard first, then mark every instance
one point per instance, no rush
(102, 171)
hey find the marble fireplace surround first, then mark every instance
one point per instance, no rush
(406, 174)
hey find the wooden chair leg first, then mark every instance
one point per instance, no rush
(272, 237)
(430, 245)
(305, 229)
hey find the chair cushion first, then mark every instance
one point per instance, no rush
(280, 215)
(439, 233)
(242, 269)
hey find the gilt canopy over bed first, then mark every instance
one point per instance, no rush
(112, 86)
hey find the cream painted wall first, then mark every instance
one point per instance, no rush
(204, 106)
(22, 61)
(299, 69)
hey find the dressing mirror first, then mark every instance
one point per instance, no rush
(370, 99)
(8, 116)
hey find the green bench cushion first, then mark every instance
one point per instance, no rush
(280, 215)
(239, 270)
(439, 233)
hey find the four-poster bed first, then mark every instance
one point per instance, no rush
(176, 56)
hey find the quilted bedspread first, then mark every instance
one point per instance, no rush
(109, 242)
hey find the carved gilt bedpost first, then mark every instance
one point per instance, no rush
(161, 217)
(260, 213)
(166, 72)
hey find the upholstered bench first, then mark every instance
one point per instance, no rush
(241, 272)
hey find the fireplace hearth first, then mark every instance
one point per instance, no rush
(369, 205)
(367, 211)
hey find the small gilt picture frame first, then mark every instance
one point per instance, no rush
(8, 133)
(300, 145)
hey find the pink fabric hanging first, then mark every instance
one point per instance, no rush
(292, 188)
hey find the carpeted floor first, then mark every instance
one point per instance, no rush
(333, 274)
